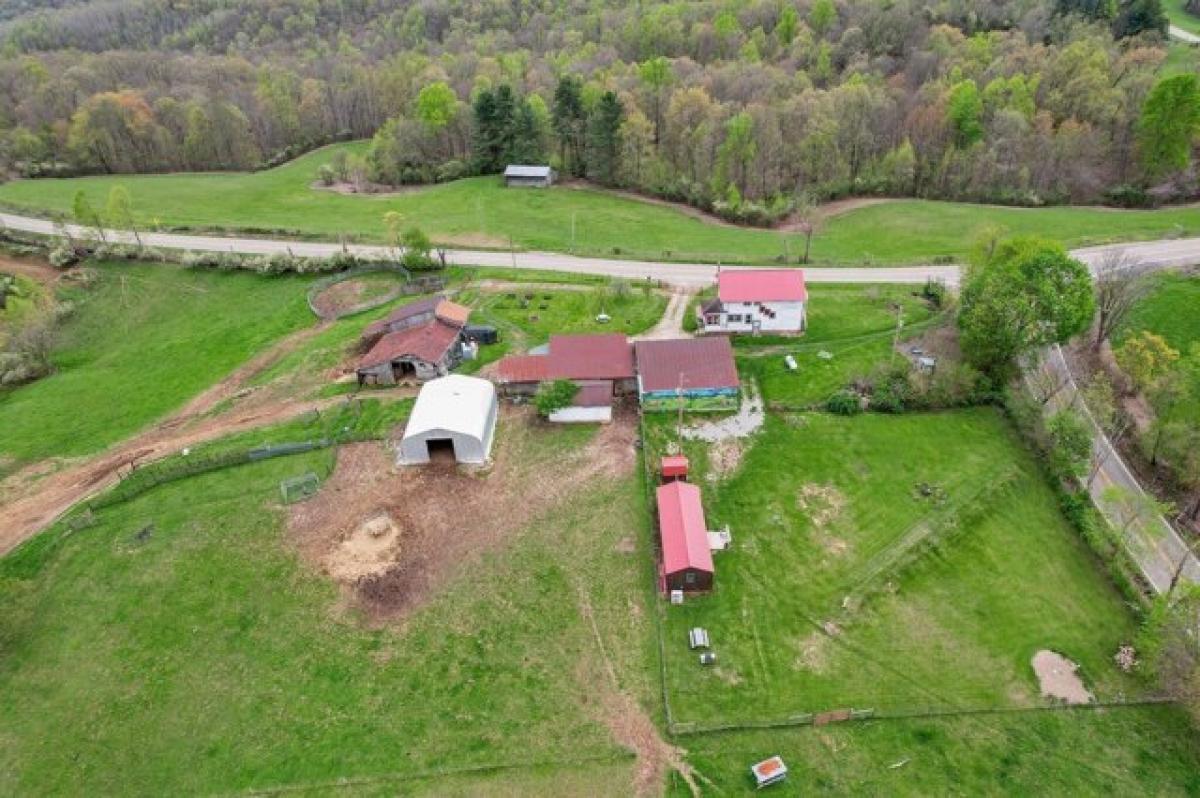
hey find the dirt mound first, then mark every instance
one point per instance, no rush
(367, 551)
(392, 536)
(1059, 678)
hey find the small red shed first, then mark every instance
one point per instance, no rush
(674, 467)
(686, 558)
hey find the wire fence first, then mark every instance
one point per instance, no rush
(1158, 551)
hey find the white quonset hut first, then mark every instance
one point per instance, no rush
(455, 415)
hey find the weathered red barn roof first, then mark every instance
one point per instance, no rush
(593, 393)
(606, 356)
(683, 529)
(428, 342)
(523, 368)
(582, 358)
(401, 313)
(694, 363)
(761, 285)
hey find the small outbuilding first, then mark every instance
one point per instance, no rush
(528, 176)
(454, 415)
(687, 562)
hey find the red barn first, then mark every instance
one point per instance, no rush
(686, 559)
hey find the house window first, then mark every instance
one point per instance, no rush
(689, 578)
(712, 318)
(734, 318)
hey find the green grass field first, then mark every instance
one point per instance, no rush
(204, 656)
(1169, 310)
(534, 314)
(142, 342)
(480, 212)
(1134, 751)
(817, 509)
(1180, 17)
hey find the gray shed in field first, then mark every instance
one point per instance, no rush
(524, 175)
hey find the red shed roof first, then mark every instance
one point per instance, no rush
(697, 363)
(684, 532)
(762, 285)
(674, 465)
(428, 342)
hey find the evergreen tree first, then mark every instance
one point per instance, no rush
(484, 111)
(604, 139)
(570, 124)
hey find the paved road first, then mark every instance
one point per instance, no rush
(1182, 35)
(685, 275)
(1152, 542)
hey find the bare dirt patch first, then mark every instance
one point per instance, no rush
(348, 188)
(1059, 678)
(822, 503)
(814, 653)
(745, 422)
(447, 516)
(724, 458)
(347, 295)
(626, 545)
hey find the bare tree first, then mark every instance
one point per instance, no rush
(1120, 283)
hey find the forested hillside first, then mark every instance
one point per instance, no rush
(749, 109)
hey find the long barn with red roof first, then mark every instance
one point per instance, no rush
(687, 562)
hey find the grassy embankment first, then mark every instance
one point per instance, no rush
(480, 212)
(141, 342)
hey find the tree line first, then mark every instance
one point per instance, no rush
(741, 109)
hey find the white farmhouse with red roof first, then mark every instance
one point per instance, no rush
(757, 301)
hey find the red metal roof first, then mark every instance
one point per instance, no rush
(452, 313)
(762, 285)
(674, 465)
(428, 342)
(523, 368)
(696, 363)
(683, 529)
(573, 357)
(593, 393)
(607, 356)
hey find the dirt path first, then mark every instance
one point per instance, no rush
(38, 271)
(671, 323)
(628, 723)
(236, 383)
(54, 494)
(35, 496)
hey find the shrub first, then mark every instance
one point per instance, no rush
(552, 396)
(890, 396)
(63, 256)
(844, 403)
(326, 174)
